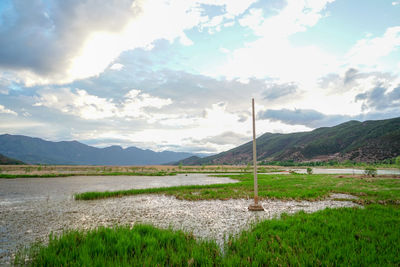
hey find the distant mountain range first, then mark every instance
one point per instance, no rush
(367, 141)
(8, 161)
(38, 151)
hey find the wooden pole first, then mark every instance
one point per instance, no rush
(255, 206)
(254, 156)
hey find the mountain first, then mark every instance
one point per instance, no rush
(8, 161)
(367, 141)
(38, 151)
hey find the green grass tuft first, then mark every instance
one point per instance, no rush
(141, 245)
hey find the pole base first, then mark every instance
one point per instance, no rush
(255, 207)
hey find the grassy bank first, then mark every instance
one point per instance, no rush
(121, 246)
(346, 237)
(296, 186)
(330, 237)
(49, 175)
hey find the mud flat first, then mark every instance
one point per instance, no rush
(30, 209)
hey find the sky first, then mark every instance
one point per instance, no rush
(179, 75)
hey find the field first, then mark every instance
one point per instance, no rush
(14, 171)
(346, 236)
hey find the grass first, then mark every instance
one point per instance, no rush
(142, 245)
(49, 175)
(81, 169)
(346, 237)
(295, 186)
(331, 237)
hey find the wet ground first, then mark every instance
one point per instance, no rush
(32, 208)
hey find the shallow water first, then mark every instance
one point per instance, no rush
(31, 208)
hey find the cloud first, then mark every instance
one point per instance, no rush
(275, 91)
(226, 138)
(39, 41)
(136, 103)
(369, 50)
(91, 107)
(272, 54)
(76, 39)
(350, 75)
(4, 86)
(380, 98)
(116, 66)
(315, 119)
(307, 117)
(355, 80)
(5, 110)
(296, 16)
(395, 3)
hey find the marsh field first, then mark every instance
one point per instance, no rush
(197, 216)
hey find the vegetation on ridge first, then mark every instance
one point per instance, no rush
(368, 141)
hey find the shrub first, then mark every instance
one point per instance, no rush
(309, 171)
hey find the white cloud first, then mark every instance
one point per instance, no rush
(167, 21)
(92, 107)
(369, 51)
(253, 19)
(71, 48)
(5, 110)
(273, 55)
(80, 103)
(117, 66)
(185, 40)
(136, 101)
(296, 16)
(232, 8)
(395, 3)
(277, 58)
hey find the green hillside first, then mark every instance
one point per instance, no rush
(8, 161)
(367, 141)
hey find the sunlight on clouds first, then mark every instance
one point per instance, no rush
(296, 16)
(89, 50)
(167, 21)
(277, 58)
(273, 55)
(79, 104)
(369, 51)
(135, 102)
(216, 121)
(96, 55)
(117, 66)
(92, 107)
(5, 110)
